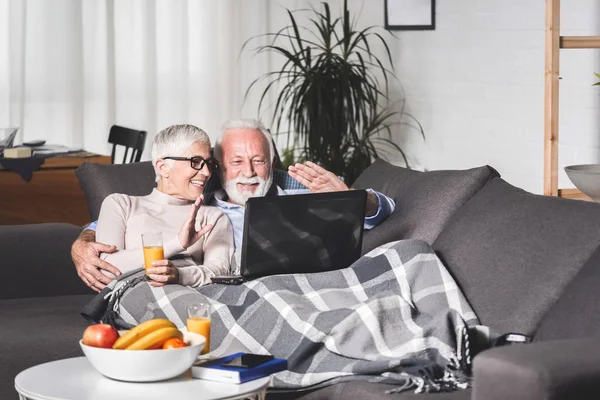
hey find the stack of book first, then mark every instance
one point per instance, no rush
(238, 368)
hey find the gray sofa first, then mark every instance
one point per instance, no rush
(40, 299)
(527, 264)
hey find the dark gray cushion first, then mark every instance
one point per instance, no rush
(513, 252)
(425, 201)
(36, 331)
(361, 390)
(553, 370)
(38, 258)
(98, 181)
(576, 314)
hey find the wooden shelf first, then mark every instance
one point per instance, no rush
(551, 77)
(573, 194)
(580, 42)
(553, 44)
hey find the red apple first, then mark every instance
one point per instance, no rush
(100, 335)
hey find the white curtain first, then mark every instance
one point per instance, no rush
(69, 69)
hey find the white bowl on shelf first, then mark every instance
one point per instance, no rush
(586, 177)
(145, 365)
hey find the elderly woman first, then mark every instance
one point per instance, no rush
(197, 239)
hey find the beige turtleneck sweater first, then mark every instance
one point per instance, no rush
(124, 218)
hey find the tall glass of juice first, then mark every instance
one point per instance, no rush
(153, 248)
(198, 321)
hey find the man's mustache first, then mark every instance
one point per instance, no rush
(248, 181)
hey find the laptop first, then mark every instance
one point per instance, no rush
(302, 233)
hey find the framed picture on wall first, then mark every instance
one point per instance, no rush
(409, 15)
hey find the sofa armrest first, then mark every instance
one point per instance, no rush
(36, 261)
(552, 370)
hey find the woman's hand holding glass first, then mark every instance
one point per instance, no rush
(162, 273)
(188, 234)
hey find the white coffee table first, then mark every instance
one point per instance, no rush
(75, 378)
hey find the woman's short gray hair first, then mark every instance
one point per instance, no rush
(247, 123)
(174, 141)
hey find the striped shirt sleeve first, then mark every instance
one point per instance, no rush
(385, 209)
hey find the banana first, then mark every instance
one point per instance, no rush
(154, 337)
(140, 331)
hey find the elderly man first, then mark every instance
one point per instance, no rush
(246, 156)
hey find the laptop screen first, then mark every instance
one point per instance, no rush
(302, 233)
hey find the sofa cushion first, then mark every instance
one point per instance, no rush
(513, 252)
(425, 201)
(98, 181)
(552, 370)
(576, 314)
(38, 258)
(361, 390)
(35, 331)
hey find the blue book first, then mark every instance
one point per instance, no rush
(225, 369)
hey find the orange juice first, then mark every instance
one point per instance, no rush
(152, 253)
(200, 326)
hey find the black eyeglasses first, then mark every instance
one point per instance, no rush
(196, 162)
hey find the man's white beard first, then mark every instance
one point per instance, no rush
(239, 197)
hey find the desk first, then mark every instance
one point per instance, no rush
(52, 195)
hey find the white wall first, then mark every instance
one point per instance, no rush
(475, 82)
(476, 85)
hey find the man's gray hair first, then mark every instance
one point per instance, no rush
(251, 124)
(174, 141)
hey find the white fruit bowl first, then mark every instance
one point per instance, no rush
(145, 365)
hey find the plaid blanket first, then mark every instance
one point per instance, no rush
(395, 315)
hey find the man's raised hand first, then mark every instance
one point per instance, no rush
(316, 178)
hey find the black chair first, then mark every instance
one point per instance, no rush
(130, 139)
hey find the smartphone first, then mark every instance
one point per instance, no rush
(247, 361)
(228, 280)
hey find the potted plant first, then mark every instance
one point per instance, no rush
(333, 95)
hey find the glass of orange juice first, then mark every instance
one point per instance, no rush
(198, 321)
(153, 248)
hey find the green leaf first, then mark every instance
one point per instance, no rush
(332, 92)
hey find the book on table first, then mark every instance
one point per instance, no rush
(238, 368)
